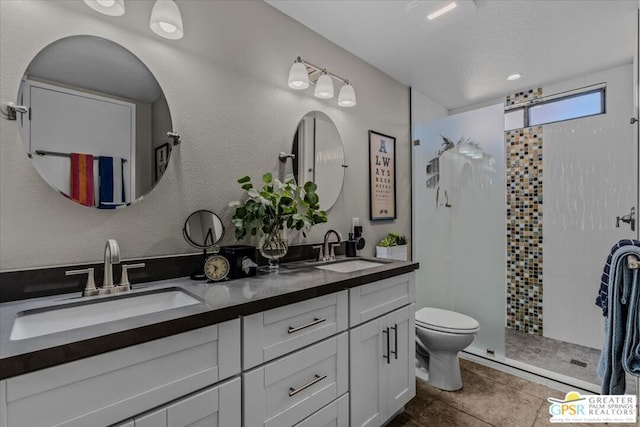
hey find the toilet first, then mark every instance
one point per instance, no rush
(440, 335)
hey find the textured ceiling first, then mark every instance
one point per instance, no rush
(467, 60)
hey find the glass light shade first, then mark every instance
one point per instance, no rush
(347, 96)
(107, 7)
(166, 20)
(298, 77)
(324, 87)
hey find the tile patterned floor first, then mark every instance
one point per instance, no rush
(488, 398)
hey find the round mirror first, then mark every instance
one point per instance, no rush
(203, 229)
(319, 156)
(96, 128)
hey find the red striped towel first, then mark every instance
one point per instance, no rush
(82, 179)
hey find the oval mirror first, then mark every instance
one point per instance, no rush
(97, 124)
(203, 229)
(319, 156)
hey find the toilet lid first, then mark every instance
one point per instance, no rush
(445, 320)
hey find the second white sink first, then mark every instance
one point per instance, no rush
(35, 323)
(349, 266)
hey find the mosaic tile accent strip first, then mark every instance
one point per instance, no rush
(523, 96)
(524, 229)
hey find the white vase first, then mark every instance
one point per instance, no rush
(392, 252)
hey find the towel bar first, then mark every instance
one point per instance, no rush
(57, 154)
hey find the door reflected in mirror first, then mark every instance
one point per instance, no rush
(319, 156)
(97, 125)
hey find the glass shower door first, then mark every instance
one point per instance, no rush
(459, 220)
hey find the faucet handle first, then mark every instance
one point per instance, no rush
(90, 288)
(332, 254)
(319, 248)
(124, 279)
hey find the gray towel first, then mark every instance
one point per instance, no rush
(621, 350)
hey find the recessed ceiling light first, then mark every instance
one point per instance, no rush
(515, 76)
(442, 11)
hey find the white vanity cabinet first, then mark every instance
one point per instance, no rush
(382, 350)
(105, 389)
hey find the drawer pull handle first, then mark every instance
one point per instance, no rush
(308, 325)
(318, 378)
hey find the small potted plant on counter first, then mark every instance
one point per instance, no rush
(393, 246)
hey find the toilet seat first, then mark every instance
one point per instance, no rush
(441, 320)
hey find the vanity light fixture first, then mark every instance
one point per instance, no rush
(513, 77)
(324, 86)
(298, 77)
(442, 11)
(107, 7)
(166, 20)
(347, 96)
(303, 73)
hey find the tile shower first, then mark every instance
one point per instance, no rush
(562, 185)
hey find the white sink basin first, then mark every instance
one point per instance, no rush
(35, 323)
(349, 266)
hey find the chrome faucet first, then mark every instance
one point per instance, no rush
(327, 251)
(111, 256)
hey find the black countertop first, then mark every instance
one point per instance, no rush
(221, 301)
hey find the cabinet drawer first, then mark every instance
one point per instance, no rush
(276, 332)
(335, 414)
(214, 406)
(104, 389)
(286, 391)
(375, 299)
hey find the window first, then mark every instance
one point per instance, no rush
(557, 108)
(514, 119)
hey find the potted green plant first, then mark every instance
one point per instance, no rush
(392, 246)
(268, 211)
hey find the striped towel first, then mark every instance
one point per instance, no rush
(82, 179)
(111, 182)
(603, 299)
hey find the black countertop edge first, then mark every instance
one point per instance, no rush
(28, 362)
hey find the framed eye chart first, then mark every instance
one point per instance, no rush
(382, 176)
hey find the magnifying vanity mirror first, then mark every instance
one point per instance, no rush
(319, 156)
(204, 230)
(96, 128)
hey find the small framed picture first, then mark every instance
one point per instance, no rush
(162, 159)
(382, 176)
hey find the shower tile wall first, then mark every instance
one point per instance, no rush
(523, 96)
(524, 226)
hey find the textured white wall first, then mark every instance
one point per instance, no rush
(589, 178)
(225, 83)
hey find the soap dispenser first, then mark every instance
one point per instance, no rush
(350, 246)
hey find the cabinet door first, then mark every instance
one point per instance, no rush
(401, 382)
(368, 345)
(213, 407)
